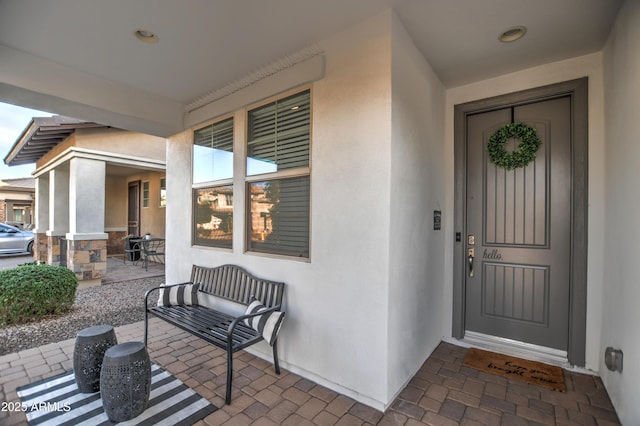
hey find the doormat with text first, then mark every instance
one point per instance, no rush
(537, 373)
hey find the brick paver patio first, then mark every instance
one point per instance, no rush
(443, 392)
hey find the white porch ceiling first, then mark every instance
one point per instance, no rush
(204, 45)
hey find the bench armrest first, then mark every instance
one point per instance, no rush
(235, 322)
(148, 292)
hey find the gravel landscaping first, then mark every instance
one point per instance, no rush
(114, 304)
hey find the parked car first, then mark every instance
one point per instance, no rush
(15, 240)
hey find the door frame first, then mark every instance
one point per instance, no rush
(577, 90)
(137, 185)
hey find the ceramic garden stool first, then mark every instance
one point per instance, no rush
(125, 381)
(91, 344)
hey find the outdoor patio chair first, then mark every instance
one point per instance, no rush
(152, 250)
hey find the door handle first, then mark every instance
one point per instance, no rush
(471, 254)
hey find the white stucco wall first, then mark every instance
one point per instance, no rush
(621, 296)
(122, 142)
(416, 273)
(122, 145)
(589, 66)
(15, 195)
(336, 330)
(115, 202)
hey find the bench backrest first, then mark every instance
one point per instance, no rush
(234, 283)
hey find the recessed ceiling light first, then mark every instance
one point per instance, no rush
(512, 34)
(146, 36)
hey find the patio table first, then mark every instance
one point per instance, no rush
(150, 248)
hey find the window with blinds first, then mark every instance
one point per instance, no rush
(279, 143)
(279, 135)
(279, 216)
(212, 193)
(213, 152)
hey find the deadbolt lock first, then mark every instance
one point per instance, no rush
(471, 240)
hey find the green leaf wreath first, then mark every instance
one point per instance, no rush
(522, 155)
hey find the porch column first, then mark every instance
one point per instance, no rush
(86, 239)
(41, 219)
(9, 215)
(28, 215)
(58, 213)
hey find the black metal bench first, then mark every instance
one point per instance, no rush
(231, 283)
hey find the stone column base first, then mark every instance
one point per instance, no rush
(41, 247)
(53, 250)
(87, 259)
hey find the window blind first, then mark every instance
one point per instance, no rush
(217, 136)
(279, 133)
(280, 216)
(213, 152)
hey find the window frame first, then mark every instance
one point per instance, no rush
(219, 120)
(194, 220)
(160, 193)
(212, 184)
(146, 194)
(249, 219)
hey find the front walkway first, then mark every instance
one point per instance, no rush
(119, 270)
(443, 392)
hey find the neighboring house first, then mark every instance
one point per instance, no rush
(358, 172)
(94, 185)
(17, 201)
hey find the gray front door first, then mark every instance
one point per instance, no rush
(518, 229)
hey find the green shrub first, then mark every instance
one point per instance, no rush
(29, 292)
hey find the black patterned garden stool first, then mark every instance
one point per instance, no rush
(125, 381)
(88, 353)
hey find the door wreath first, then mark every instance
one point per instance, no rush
(522, 155)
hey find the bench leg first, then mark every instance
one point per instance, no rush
(227, 398)
(146, 326)
(276, 364)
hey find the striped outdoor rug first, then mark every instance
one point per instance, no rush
(57, 401)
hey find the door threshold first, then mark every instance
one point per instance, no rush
(515, 348)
